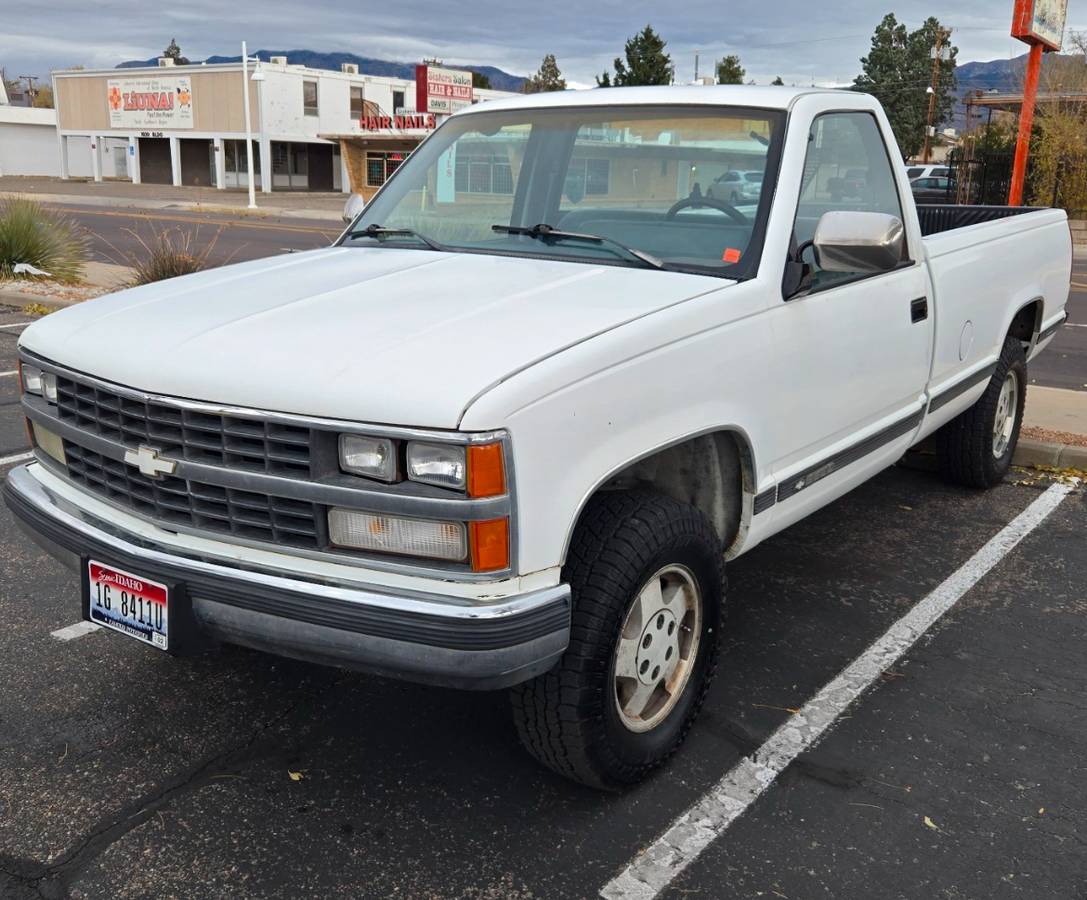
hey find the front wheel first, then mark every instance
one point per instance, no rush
(647, 575)
(976, 449)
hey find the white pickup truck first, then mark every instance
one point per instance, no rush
(508, 430)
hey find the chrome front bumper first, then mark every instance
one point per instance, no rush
(433, 638)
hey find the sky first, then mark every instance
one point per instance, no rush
(801, 41)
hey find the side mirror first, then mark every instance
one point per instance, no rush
(356, 203)
(859, 242)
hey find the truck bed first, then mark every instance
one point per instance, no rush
(936, 219)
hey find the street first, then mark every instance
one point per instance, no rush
(961, 773)
(120, 235)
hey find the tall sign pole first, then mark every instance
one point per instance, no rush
(1039, 23)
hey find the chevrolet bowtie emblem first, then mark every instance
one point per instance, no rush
(148, 461)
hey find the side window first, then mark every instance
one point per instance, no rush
(914, 173)
(847, 168)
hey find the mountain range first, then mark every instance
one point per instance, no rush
(500, 80)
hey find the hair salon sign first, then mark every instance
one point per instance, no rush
(156, 103)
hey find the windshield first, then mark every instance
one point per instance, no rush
(643, 179)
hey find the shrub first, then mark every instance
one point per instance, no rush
(49, 241)
(169, 254)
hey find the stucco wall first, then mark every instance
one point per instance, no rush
(27, 146)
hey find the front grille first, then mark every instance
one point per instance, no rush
(246, 514)
(249, 445)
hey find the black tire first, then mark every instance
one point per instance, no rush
(965, 444)
(568, 718)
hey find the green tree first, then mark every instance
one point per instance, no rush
(729, 71)
(547, 78)
(481, 81)
(646, 62)
(174, 53)
(777, 82)
(898, 71)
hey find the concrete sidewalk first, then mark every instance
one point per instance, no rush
(125, 195)
(1059, 419)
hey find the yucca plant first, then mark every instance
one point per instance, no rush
(169, 254)
(49, 241)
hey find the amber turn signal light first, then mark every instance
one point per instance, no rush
(490, 545)
(486, 470)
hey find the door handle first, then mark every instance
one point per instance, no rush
(919, 310)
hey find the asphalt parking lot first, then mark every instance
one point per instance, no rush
(961, 774)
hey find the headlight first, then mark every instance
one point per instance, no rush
(32, 379)
(368, 456)
(443, 465)
(390, 534)
(39, 383)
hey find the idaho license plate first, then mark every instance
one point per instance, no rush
(130, 604)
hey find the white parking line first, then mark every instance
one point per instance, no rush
(16, 458)
(17, 325)
(71, 632)
(659, 864)
(9, 373)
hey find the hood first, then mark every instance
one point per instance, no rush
(381, 335)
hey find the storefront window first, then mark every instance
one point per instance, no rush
(356, 103)
(309, 98)
(398, 102)
(380, 166)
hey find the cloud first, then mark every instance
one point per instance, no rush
(796, 39)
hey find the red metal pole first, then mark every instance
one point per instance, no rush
(1026, 125)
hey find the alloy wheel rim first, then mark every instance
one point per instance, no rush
(657, 648)
(1007, 407)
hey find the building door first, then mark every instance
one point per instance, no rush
(321, 167)
(155, 165)
(195, 168)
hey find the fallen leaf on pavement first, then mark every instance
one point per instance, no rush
(295, 776)
(931, 824)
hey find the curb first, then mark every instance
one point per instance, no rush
(1032, 454)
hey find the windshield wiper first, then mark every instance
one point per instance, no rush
(377, 232)
(544, 232)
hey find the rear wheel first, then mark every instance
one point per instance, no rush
(976, 449)
(647, 574)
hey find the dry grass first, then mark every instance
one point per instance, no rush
(170, 253)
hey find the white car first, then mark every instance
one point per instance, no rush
(506, 435)
(927, 171)
(738, 187)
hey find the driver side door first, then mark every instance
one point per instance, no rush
(854, 348)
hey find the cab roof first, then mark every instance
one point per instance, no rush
(752, 96)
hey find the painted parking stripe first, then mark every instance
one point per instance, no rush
(71, 632)
(9, 373)
(16, 458)
(657, 866)
(17, 325)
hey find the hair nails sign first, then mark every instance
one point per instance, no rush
(442, 91)
(1040, 22)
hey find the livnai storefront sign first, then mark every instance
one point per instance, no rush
(159, 102)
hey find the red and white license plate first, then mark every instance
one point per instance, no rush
(130, 604)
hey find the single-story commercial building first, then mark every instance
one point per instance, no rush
(311, 129)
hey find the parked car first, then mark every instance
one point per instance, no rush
(500, 440)
(853, 186)
(934, 190)
(915, 172)
(738, 187)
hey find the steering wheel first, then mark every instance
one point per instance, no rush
(701, 202)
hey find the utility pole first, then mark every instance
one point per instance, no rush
(31, 92)
(939, 54)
